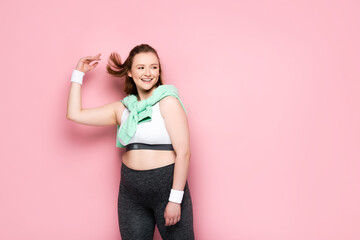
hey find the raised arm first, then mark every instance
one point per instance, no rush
(108, 114)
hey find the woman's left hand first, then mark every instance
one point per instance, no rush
(172, 213)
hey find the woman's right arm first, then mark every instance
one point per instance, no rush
(103, 115)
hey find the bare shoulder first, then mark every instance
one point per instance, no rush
(168, 100)
(169, 104)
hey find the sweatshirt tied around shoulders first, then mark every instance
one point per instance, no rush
(141, 111)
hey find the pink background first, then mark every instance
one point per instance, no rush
(272, 94)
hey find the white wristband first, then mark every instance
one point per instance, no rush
(176, 196)
(77, 76)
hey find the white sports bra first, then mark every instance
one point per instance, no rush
(151, 132)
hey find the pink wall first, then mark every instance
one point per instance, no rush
(272, 94)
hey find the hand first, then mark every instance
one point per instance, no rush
(172, 213)
(84, 63)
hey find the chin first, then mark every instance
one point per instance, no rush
(147, 88)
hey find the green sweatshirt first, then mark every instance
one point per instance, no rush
(142, 111)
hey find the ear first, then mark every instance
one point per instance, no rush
(129, 74)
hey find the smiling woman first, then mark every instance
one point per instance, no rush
(152, 126)
(146, 71)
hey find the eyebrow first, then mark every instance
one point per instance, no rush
(144, 64)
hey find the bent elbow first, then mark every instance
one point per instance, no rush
(69, 117)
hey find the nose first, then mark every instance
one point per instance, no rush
(147, 72)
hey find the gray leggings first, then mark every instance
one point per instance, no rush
(143, 196)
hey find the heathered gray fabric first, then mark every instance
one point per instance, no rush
(143, 196)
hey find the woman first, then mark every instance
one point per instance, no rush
(152, 126)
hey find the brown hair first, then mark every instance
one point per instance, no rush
(115, 68)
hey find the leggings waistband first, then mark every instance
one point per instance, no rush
(147, 170)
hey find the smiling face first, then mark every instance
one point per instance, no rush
(145, 71)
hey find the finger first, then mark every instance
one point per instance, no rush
(94, 65)
(172, 221)
(96, 56)
(86, 58)
(92, 57)
(89, 58)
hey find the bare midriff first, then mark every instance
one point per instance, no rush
(145, 159)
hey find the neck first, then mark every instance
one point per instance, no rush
(143, 94)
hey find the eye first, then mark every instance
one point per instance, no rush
(143, 67)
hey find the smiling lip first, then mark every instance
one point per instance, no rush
(148, 79)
